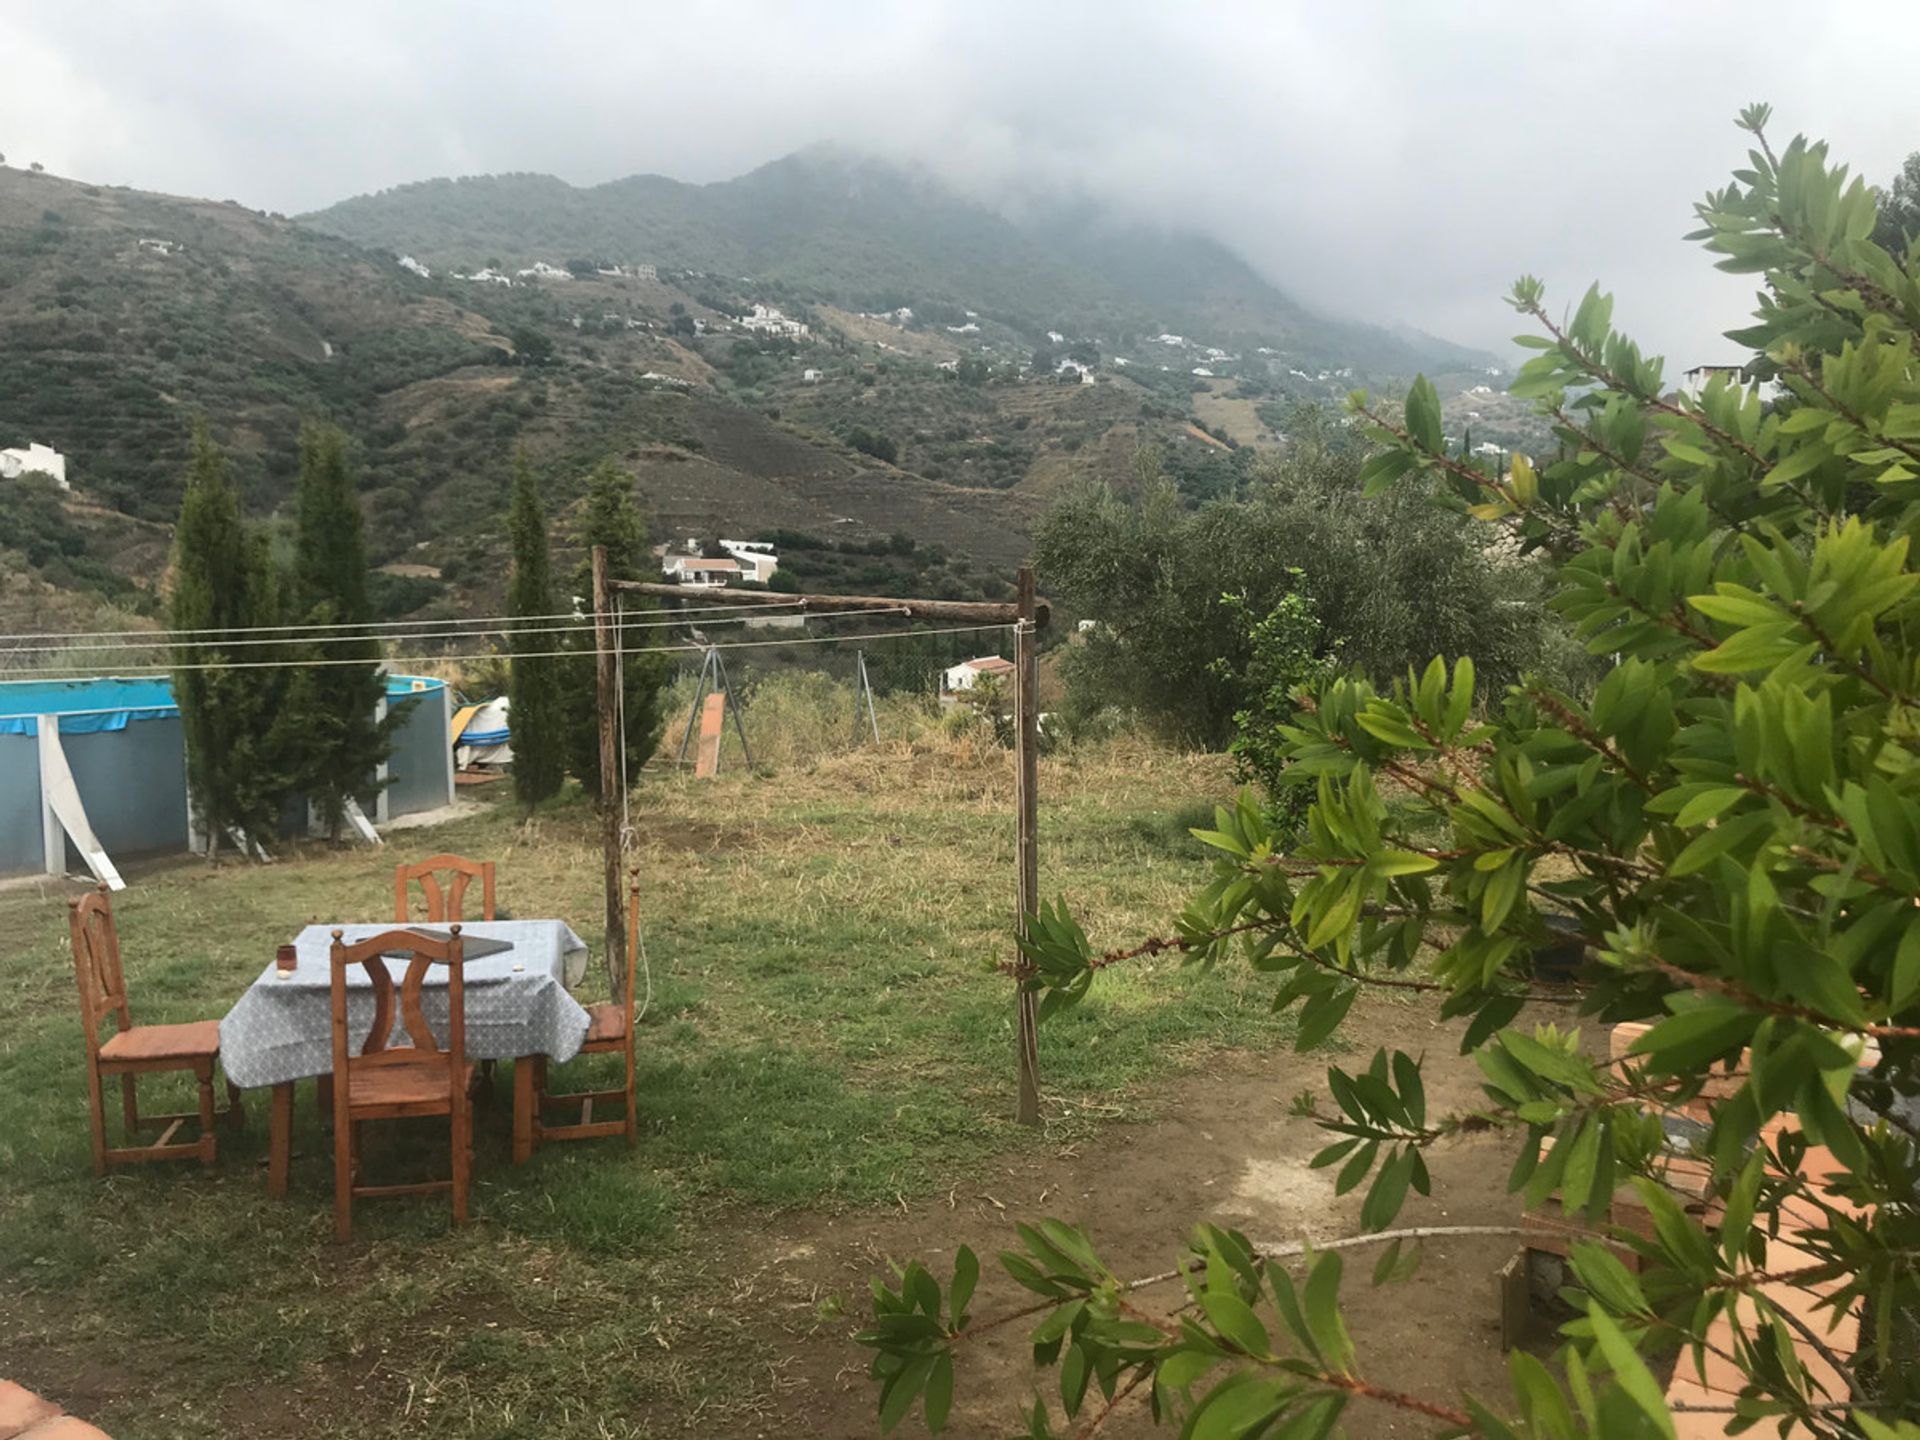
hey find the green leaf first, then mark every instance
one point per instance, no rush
(1320, 1302)
(1629, 1371)
(902, 1389)
(939, 1400)
(1423, 416)
(1389, 1191)
(1709, 803)
(1235, 1321)
(1705, 848)
(1074, 1374)
(966, 1274)
(1180, 1369)
(1600, 1271)
(1388, 863)
(1322, 1015)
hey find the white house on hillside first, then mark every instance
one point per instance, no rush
(767, 320)
(699, 570)
(413, 266)
(756, 558)
(969, 673)
(34, 459)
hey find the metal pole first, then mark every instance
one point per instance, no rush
(699, 694)
(604, 641)
(1026, 752)
(733, 707)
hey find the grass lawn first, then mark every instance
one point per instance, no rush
(823, 1035)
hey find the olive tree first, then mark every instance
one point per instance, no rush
(1731, 824)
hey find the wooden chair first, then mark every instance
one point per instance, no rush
(134, 1050)
(443, 905)
(609, 1032)
(382, 1083)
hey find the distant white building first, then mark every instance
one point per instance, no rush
(646, 272)
(413, 266)
(767, 320)
(487, 275)
(1054, 337)
(951, 365)
(810, 377)
(34, 459)
(967, 329)
(699, 570)
(969, 673)
(1074, 367)
(654, 377)
(1167, 339)
(1203, 372)
(1487, 447)
(756, 558)
(540, 270)
(160, 247)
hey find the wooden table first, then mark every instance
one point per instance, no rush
(517, 1008)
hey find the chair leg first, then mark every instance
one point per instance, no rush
(209, 1142)
(323, 1097)
(633, 1119)
(462, 1160)
(129, 1106)
(236, 1112)
(344, 1147)
(97, 1118)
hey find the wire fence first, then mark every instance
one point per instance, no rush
(808, 697)
(804, 685)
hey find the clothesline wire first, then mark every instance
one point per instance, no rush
(688, 648)
(658, 621)
(316, 626)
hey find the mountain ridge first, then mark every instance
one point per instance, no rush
(866, 233)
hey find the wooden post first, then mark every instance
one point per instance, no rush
(1026, 754)
(604, 641)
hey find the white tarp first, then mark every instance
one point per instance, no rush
(486, 738)
(62, 799)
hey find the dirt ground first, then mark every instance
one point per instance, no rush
(1225, 1148)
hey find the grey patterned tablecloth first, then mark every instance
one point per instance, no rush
(517, 1002)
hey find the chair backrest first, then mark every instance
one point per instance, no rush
(422, 951)
(96, 963)
(443, 901)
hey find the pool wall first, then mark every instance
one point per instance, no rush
(130, 766)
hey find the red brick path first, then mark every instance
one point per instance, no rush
(25, 1416)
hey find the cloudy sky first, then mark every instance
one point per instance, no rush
(1395, 161)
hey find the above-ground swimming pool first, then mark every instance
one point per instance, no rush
(122, 742)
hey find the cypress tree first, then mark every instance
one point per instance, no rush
(224, 584)
(334, 742)
(534, 700)
(611, 518)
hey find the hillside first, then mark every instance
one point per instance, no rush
(833, 227)
(891, 377)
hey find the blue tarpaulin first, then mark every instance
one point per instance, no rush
(86, 707)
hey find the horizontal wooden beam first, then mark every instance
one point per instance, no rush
(978, 611)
